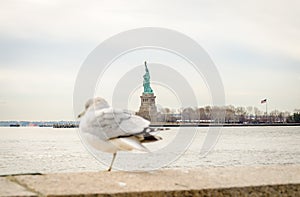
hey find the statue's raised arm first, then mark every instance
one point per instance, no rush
(146, 68)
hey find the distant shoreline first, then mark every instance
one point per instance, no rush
(165, 124)
(224, 125)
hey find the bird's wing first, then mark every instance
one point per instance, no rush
(114, 123)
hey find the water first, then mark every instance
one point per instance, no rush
(48, 150)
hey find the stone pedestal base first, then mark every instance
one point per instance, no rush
(148, 108)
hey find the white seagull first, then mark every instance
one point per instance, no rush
(112, 130)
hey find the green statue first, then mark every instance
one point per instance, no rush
(146, 83)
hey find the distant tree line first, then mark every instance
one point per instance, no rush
(227, 114)
(294, 118)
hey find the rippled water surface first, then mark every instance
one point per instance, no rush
(45, 150)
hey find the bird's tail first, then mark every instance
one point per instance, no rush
(128, 144)
(154, 129)
(147, 135)
(134, 141)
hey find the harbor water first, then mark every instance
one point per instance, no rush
(55, 150)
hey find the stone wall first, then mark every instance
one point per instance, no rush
(220, 181)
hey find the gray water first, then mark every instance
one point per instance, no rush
(49, 150)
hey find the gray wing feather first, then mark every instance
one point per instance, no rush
(113, 123)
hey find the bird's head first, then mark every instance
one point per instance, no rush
(95, 103)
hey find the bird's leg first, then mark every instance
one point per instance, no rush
(112, 161)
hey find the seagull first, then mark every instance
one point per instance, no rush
(112, 130)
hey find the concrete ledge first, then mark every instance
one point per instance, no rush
(221, 181)
(10, 188)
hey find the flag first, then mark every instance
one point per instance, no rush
(263, 101)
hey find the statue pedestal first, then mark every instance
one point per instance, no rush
(148, 108)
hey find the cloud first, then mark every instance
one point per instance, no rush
(268, 25)
(36, 94)
(3, 102)
(43, 42)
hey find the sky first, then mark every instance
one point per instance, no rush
(255, 46)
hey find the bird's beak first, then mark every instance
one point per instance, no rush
(81, 114)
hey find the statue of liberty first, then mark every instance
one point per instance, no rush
(146, 82)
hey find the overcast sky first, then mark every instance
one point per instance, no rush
(254, 44)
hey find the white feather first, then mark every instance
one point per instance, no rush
(105, 128)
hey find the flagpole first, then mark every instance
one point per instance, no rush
(265, 101)
(267, 109)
